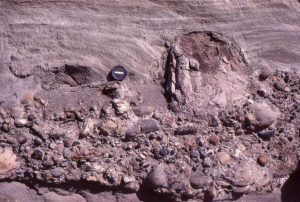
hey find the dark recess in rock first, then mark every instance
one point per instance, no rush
(82, 74)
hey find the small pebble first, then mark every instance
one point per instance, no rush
(67, 153)
(21, 122)
(37, 141)
(264, 115)
(121, 106)
(214, 139)
(186, 130)
(265, 73)
(287, 89)
(157, 177)
(194, 64)
(56, 172)
(32, 117)
(200, 180)
(164, 152)
(223, 157)
(141, 111)
(148, 126)
(151, 136)
(202, 153)
(128, 179)
(262, 160)
(8, 160)
(266, 134)
(52, 146)
(239, 132)
(262, 92)
(250, 118)
(38, 154)
(68, 142)
(88, 127)
(132, 131)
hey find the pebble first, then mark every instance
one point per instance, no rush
(110, 126)
(287, 89)
(57, 158)
(164, 152)
(48, 161)
(17, 112)
(249, 173)
(32, 117)
(121, 106)
(67, 153)
(241, 190)
(68, 142)
(239, 132)
(152, 136)
(262, 92)
(194, 64)
(37, 154)
(262, 160)
(264, 115)
(7, 160)
(157, 177)
(52, 146)
(21, 122)
(194, 154)
(128, 179)
(202, 153)
(265, 73)
(279, 86)
(186, 130)
(56, 172)
(5, 128)
(250, 118)
(266, 134)
(148, 126)
(37, 141)
(94, 108)
(88, 127)
(141, 111)
(79, 116)
(198, 180)
(132, 131)
(223, 157)
(41, 101)
(214, 139)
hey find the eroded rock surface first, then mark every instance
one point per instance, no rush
(206, 70)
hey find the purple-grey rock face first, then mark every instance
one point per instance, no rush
(208, 110)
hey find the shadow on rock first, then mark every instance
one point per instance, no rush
(290, 190)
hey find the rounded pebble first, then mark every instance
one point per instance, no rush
(262, 160)
(223, 157)
(214, 139)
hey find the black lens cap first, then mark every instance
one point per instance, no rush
(119, 73)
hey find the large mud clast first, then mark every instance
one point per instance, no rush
(205, 70)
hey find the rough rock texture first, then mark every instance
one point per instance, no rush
(221, 74)
(211, 87)
(7, 160)
(38, 36)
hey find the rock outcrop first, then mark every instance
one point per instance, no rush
(209, 109)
